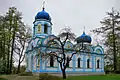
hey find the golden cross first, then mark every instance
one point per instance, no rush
(84, 29)
(44, 4)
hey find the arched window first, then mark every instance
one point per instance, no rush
(78, 62)
(38, 61)
(32, 46)
(45, 28)
(51, 61)
(98, 63)
(67, 64)
(88, 63)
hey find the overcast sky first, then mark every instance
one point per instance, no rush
(73, 13)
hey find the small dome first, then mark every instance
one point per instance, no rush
(43, 15)
(84, 38)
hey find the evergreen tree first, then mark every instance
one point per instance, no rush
(110, 29)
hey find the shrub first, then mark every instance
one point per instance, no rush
(45, 76)
(3, 79)
(25, 74)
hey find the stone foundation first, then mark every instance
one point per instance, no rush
(74, 73)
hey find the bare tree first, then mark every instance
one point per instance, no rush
(22, 37)
(56, 47)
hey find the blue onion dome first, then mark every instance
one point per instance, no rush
(84, 38)
(43, 15)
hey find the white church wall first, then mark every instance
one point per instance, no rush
(30, 61)
(49, 29)
(102, 63)
(81, 61)
(51, 68)
(48, 63)
(34, 60)
(98, 70)
(55, 63)
(35, 42)
(88, 69)
(71, 64)
(69, 69)
(78, 69)
(43, 65)
(28, 56)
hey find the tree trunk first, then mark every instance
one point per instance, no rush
(63, 71)
(21, 58)
(114, 47)
(13, 41)
(11, 57)
(9, 41)
(4, 53)
(8, 55)
(64, 74)
(18, 69)
(8, 51)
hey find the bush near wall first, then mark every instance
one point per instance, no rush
(25, 74)
(46, 76)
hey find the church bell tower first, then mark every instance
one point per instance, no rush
(42, 24)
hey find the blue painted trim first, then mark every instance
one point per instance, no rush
(27, 65)
(99, 47)
(31, 61)
(58, 66)
(38, 20)
(40, 62)
(93, 63)
(74, 64)
(84, 63)
(102, 62)
(59, 71)
(36, 59)
(45, 64)
(33, 30)
(56, 47)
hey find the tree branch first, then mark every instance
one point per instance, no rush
(72, 56)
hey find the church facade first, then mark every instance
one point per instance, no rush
(83, 62)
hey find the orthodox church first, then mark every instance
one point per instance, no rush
(80, 63)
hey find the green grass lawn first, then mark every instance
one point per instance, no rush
(3, 79)
(102, 77)
(15, 77)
